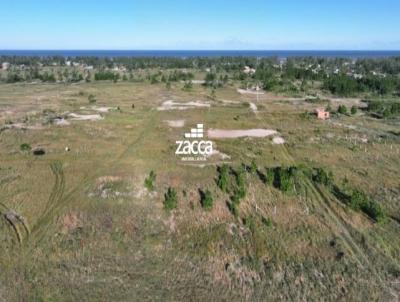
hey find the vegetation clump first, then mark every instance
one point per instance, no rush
(92, 99)
(106, 75)
(170, 199)
(360, 202)
(25, 147)
(222, 181)
(206, 199)
(323, 177)
(385, 109)
(342, 109)
(149, 181)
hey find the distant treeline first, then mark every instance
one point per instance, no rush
(294, 67)
(346, 86)
(339, 76)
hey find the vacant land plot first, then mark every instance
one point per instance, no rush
(87, 220)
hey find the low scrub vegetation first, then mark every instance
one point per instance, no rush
(384, 109)
(223, 177)
(206, 199)
(149, 181)
(359, 201)
(25, 147)
(170, 199)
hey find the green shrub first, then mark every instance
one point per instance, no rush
(223, 177)
(270, 176)
(241, 182)
(170, 199)
(357, 199)
(92, 99)
(353, 110)
(322, 177)
(342, 109)
(283, 179)
(206, 200)
(360, 202)
(149, 181)
(25, 147)
(253, 167)
(188, 86)
(373, 210)
(233, 208)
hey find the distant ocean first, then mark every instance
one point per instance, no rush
(204, 53)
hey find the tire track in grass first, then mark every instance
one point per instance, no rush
(55, 196)
(14, 220)
(324, 201)
(329, 199)
(344, 233)
(334, 219)
(58, 198)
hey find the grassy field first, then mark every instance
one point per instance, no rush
(81, 225)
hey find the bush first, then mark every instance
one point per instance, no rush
(270, 176)
(360, 202)
(206, 200)
(357, 199)
(241, 182)
(283, 179)
(222, 181)
(171, 199)
(353, 110)
(342, 109)
(373, 210)
(253, 167)
(188, 86)
(149, 181)
(322, 177)
(25, 147)
(106, 75)
(92, 99)
(233, 208)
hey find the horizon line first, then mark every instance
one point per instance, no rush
(88, 49)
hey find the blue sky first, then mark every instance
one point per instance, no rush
(200, 24)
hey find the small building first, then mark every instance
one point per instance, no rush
(322, 114)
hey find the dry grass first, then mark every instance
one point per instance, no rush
(118, 246)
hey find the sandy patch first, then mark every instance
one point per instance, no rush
(24, 126)
(172, 105)
(278, 140)
(218, 133)
(229, 102)
(223, 156)
(199, 82)
(176, 123)
(253, 107)
(85, 117)
(102, 109)
(250, 91)
(61, 122)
